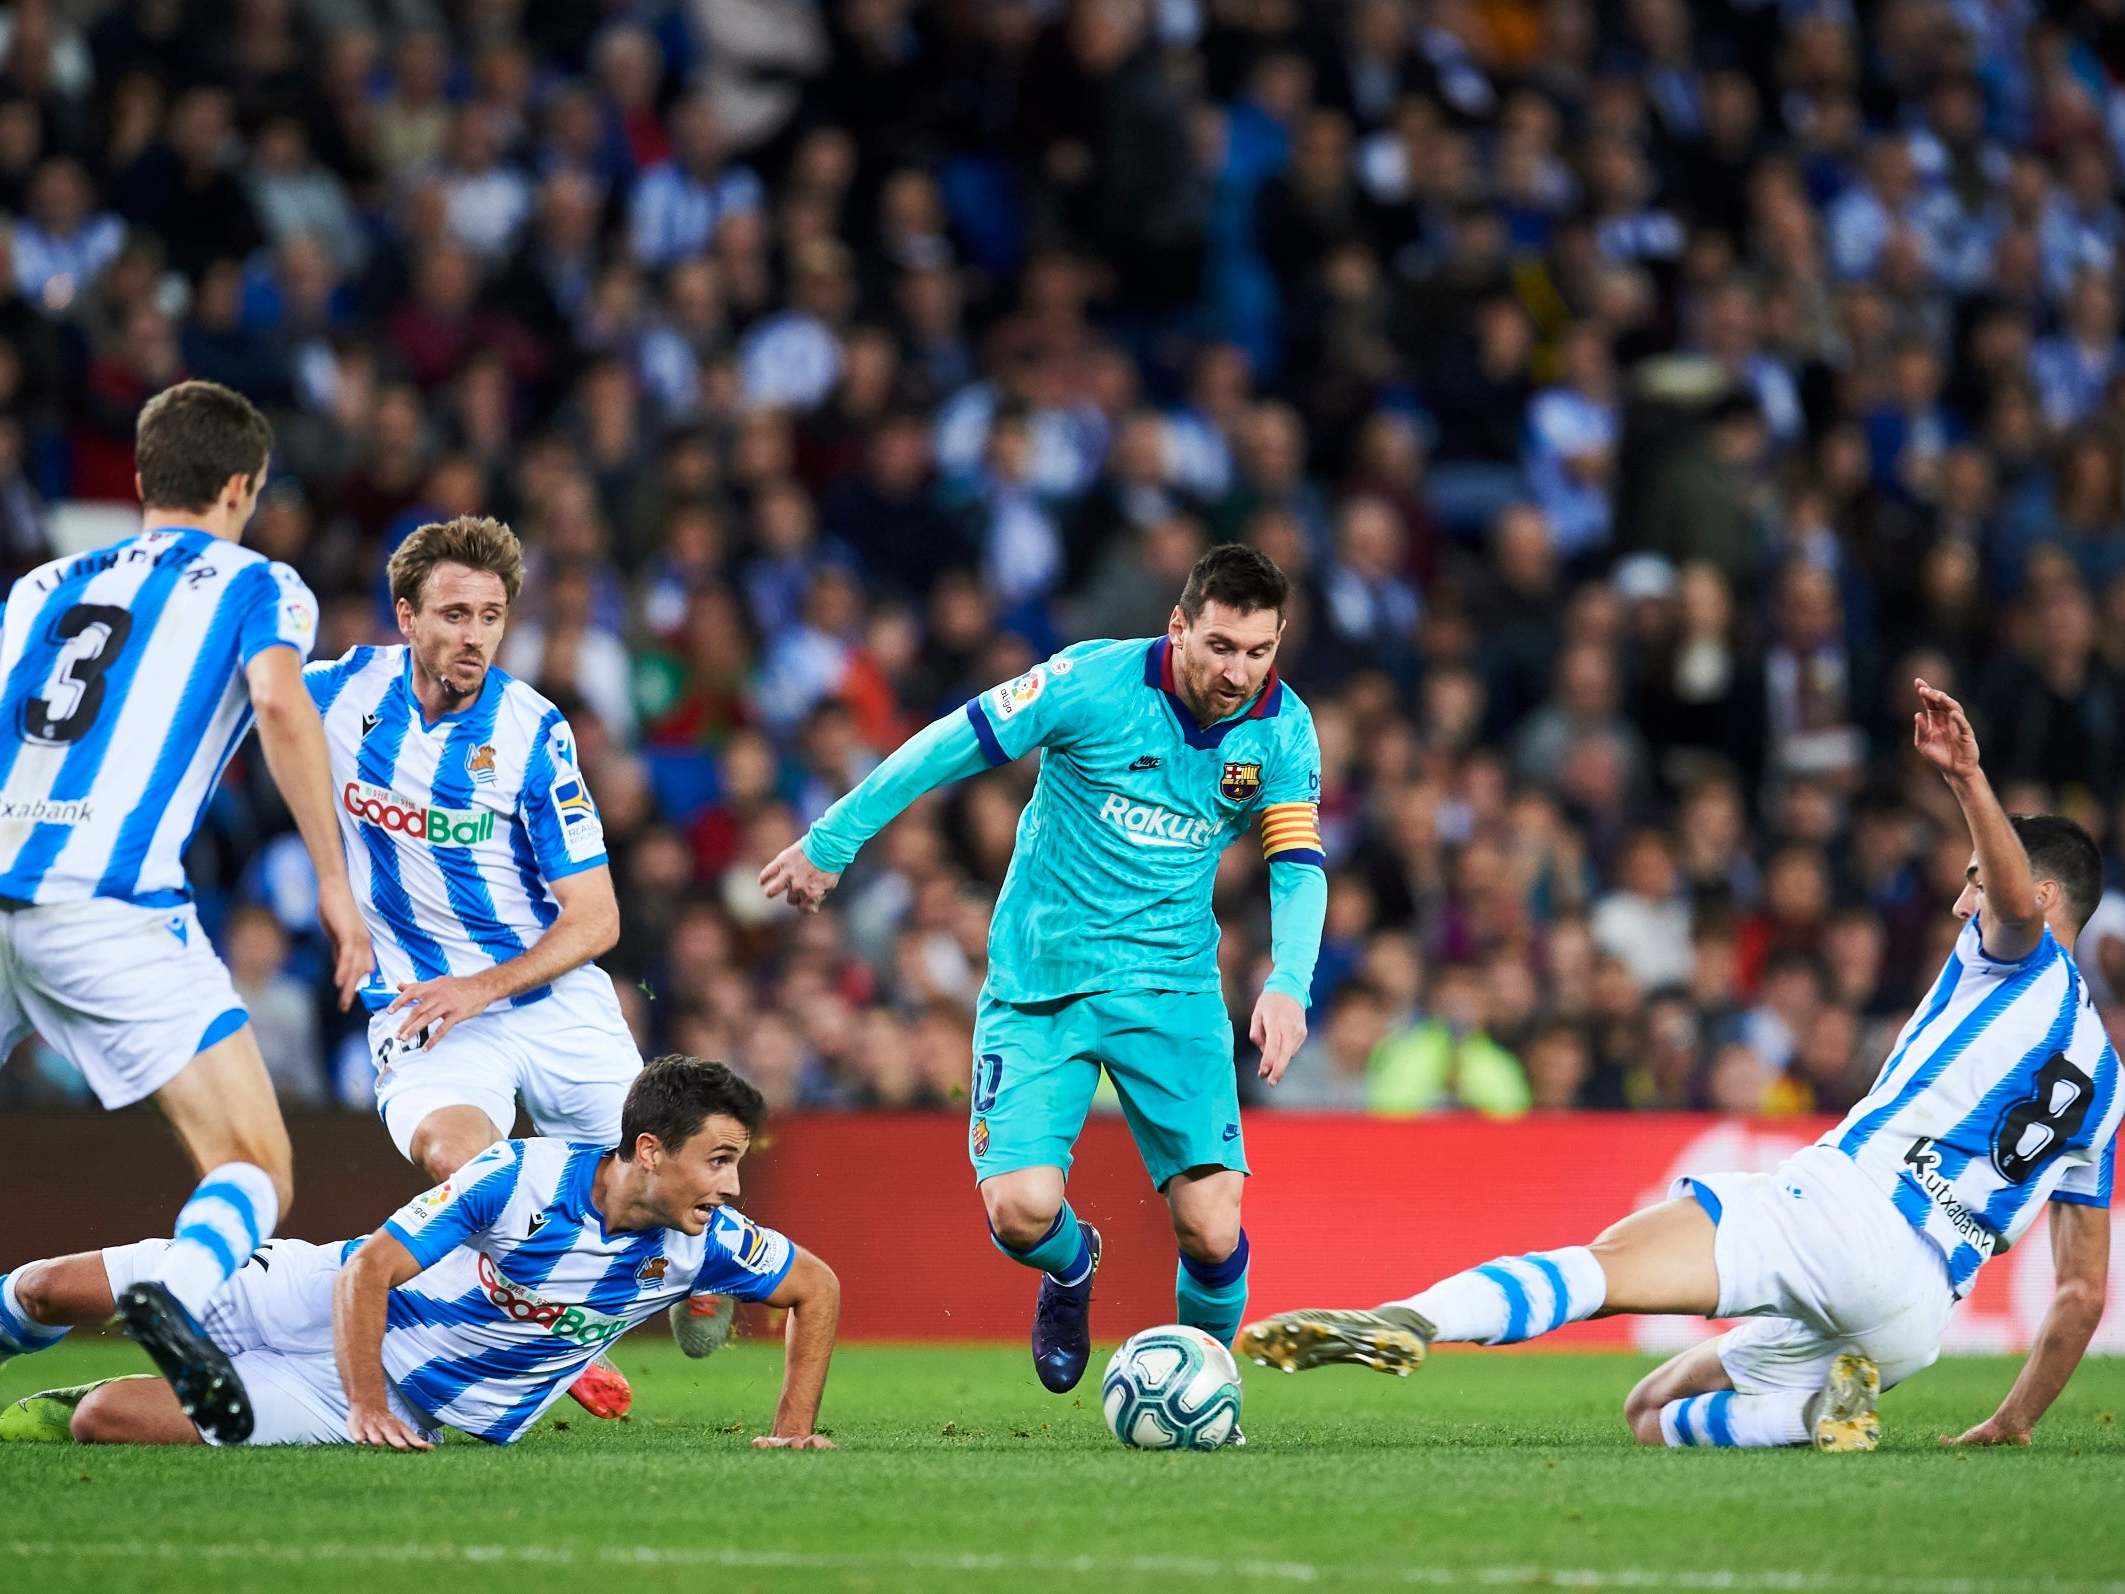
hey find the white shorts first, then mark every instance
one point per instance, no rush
(571, 1058)
(274, 1318)
(128, 995)
(1826, 1264)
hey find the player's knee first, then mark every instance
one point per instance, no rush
(440, 1150)
(1208, 1236)
(1019, 1218)
(1641, 1409)
(33, 1288)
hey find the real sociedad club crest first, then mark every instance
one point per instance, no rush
(1240, 782)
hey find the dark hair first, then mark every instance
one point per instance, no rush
(1241, 578)
(191, 438)
(674, 1096)
(2061, 850)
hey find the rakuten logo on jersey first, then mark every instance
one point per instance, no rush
(521, 1305)
(1148, 826)
(439, 827)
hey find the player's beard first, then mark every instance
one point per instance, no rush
(448, 674)
(1200, 692)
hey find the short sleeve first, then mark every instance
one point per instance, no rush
(327, 678)
(1036, 709)
(276, 610)
(742, 1259)
(434, 1224)
(2088, 1184)
(567, 836)
(1291, 809)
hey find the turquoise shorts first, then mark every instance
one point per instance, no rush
(1169, 1054)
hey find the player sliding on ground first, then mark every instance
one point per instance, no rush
(2000, 1097)
(476, 1304)
(132, 675)
(479, 863)
(1103, 948)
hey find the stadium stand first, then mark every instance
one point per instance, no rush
(1640, 394)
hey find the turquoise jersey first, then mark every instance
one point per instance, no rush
(1110, 883)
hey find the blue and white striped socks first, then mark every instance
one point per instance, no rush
(1515, 1297)
(227, 1218)
(19, 1332)
(1728, 1421)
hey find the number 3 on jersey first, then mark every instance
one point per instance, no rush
(91, 636)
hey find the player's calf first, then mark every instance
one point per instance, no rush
(131, 1411)
(222, 1106)
(1210, 1283)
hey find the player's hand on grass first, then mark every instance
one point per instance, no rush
(380, 1429)
(1941, 732)
(352, 956)
(802, 1441)
(1992, 1431)
(795, 879)
(435, 1007)
(1278, 1029)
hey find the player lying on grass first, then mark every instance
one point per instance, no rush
(475, 1304)
(1103, 949)
(2000, 1098)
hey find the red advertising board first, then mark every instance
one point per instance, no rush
(1341, 1211)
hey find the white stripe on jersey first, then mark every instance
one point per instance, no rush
(2001, 1094)
(522, 1286)
(455, 830)
(137, 649)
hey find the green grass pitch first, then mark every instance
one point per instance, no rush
(960, 1473)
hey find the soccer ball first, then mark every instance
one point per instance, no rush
(1172, 1388)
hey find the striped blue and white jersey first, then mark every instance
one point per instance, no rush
(2001, 1094)
(124, 700)
(455, 830)
(521, 1286)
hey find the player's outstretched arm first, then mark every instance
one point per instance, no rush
(359, 1298)
(813, 1296)
(2080, 1255)
(2012, 922)
(945, 750)
(587, 925)
(293, 740)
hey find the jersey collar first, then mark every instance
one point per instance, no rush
(1158, 673)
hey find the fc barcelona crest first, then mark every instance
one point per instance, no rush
(1240, 783)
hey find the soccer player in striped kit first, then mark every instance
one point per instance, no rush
(128, 677)
(479, 862)
(476, 1304)
(1999, 1101)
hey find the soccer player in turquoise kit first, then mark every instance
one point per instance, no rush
(1103, 947)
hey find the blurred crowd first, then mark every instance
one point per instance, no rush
(1640, 395)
